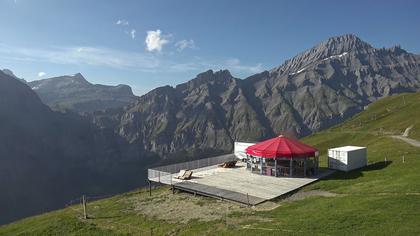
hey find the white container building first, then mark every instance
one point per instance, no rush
(347, 158)
(239, 149)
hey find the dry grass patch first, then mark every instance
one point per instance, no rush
(183, 207)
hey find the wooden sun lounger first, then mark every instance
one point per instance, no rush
(185, 174)
(228, 164)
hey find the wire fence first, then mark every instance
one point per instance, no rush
(162, 174)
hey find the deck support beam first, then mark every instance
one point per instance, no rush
(275, 167)
(291, 167)
(304, 167)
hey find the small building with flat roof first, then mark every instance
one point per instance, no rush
(347, 158)
(240, 149)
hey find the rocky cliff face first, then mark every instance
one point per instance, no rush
(74, 92)
(312, 91)
(336, 79)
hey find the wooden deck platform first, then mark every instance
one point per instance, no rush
(223, 194)
(238, 184)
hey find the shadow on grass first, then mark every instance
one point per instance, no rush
(377, 166)
(354, 174)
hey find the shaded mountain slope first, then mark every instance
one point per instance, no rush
(47, 157)
(74, 92)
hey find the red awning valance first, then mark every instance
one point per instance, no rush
(281, 147)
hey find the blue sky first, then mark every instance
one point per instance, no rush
(147, 44)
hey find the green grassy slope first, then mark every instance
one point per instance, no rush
(381, 199)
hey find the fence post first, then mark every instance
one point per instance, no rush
(150, 188)
(85, 216)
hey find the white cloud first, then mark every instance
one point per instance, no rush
(133, 33)
(95, 56)
(126, 60)
(183, 44)
(155, 40)
(41, 74)
(122, 22)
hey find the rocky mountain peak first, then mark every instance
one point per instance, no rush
(9, 72)
(396, 49)
(333, 47)
(341, 44)
(76, 78)
(211, 75)
(207, 77)
(79, 76)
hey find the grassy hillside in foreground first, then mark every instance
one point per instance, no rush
(381, 199)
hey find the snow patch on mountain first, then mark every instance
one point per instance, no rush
(299, 71)
(336, 56)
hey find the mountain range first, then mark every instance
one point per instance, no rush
(102, 138)
(318, 88)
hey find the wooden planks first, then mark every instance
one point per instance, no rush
(219, 193)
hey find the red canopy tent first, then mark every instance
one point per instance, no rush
(281, 147)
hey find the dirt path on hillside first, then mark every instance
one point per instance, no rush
(407, 131)
(406, 139)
